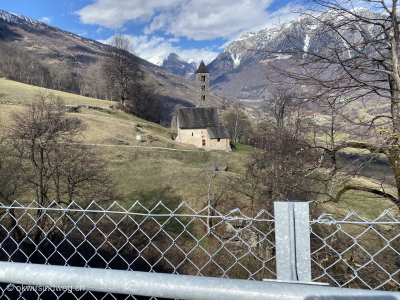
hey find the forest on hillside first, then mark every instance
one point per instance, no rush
(116, 77)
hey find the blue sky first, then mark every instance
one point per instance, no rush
(194, 29)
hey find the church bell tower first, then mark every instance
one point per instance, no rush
(203, 86)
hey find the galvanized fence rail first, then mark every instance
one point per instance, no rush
(180, 240)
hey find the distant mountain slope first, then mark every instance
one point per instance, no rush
(241, 70)
(70, 52)
(48, 42)
(176, 65)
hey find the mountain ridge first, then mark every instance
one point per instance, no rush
(242, 69)
(176, 65)
(72, 53)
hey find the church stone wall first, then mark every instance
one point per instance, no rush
(193, 136)
(196, 136)
(223, 144)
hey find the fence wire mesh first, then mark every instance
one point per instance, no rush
(158, 239)
(352, 252)
(355, 252)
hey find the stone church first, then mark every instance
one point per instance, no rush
(200, 125)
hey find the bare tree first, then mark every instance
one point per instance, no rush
(279, 171)
(279, 103)
(13, 179)
(57, 167)
(147, 102)
(350, 54)
(36, 133)
(122, 69)
(92, 82)
(54, 167)
(237, 123)
(11, 174)
(215, 188)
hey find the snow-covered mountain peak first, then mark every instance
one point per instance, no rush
(174, 64)
(156, 60)
(18, 19)
(361, 10)
(246, 36)
(173, 55)
(171, 58)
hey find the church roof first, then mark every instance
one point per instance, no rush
(202, 117)
(202, 68)
(196, 118)
(218, 132)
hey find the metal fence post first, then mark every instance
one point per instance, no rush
(292, 239)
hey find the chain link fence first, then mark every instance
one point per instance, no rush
(352, 252)
(355, 252)
(160, 239)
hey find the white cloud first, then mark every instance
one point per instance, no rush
(99, 30)
(148, 47)
(114, 14)
(209, 19)
(197, 55)
(283, 15)
(47, 20)
(194, 19)
(174, 40)
(158, 22)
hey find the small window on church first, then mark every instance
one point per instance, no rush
(203, 78)
(203, 87)
(203, 142)
(192, 133)
(218, 140)
(203, 97)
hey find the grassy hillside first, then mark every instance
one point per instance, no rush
(140, 171)
(144, 173)
(18, 93)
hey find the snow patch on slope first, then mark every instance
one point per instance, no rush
(246, 36)
(234, 56)
(15, 18)
(306, 43)
(236, 59)
(282, 56)
(156, 60)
